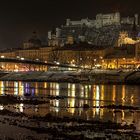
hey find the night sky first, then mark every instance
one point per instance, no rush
(19, 18)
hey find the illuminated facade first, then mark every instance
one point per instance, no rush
(41, 54)
(125, 39)
(126, 56)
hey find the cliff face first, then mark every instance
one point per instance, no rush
(106, 35)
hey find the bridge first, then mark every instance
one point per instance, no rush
(14, 63)
(133, 77)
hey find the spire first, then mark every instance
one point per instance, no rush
(34, 34)
(134, 29)
(53, 30)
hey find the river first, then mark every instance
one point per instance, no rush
(76, 96)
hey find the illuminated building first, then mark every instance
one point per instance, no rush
(126, 56)
(104, 29)
(109, 41)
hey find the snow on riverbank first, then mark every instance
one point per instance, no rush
(100, 76)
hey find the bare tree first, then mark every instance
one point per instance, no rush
(54, 55)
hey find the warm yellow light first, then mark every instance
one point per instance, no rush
(2, 56)
(22, 58)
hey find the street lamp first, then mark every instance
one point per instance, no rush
(2, 56)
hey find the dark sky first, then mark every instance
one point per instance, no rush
(19, 18)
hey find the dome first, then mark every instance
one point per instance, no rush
(35, 40)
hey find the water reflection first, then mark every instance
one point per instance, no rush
(1, 107)
(1, 87)
(96, 95)
(123, 94)
(76, 96)
(114, 93)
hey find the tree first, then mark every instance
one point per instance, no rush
(54, 55)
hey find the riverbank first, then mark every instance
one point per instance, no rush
(64, 127)
(50, 127)
(90, 77)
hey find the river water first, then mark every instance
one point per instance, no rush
(76, 96)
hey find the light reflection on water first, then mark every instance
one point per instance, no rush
(78, 95)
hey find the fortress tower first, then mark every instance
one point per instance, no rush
(136, 19)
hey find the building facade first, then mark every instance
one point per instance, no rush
(126, 56)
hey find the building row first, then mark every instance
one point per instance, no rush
(82, 54)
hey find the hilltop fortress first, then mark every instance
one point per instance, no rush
(105, 29)
(104, 20)
(109, 41)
